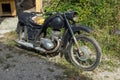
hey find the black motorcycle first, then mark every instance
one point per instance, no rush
(59, 33)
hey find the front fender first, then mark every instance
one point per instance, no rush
(76, 29)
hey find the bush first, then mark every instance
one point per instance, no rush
(91, 12)
(102, 15)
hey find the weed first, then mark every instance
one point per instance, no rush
(2, 60)
(11, 43)
(7, 66)
(108, 65)
(59, 77)
(50, 69)
(11, 35)
(69, 70)
(0, 49)
(9, 56)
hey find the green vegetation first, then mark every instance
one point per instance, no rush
(9, 56)
(70, 72)
(91, 12)
(10, 37)
(102, 15)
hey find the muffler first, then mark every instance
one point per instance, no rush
(30, 45)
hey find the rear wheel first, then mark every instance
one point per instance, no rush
(91, 53)
(22, 32)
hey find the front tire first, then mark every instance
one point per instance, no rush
(91, 53)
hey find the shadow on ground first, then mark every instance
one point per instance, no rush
(1, 19)
(70, 72)
(24, 60)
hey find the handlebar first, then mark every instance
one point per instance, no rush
(66, 13)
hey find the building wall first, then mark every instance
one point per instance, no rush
(22, 5)
(27, 4)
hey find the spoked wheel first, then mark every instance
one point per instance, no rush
(91, 53)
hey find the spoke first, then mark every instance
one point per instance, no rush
(90, 60)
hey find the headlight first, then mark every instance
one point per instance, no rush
(75, 18)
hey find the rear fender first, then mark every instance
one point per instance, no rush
(77, 28)
(19, 27)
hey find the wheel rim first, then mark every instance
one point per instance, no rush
(89, 53)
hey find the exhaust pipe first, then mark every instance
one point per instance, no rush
(30, 45)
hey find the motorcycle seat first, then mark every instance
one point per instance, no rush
(26, 18)
(34, 25)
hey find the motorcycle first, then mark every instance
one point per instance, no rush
(59, 33)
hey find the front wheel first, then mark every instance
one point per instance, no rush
(91, 53)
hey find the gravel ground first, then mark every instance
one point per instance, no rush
(8, 23)
(16, 64)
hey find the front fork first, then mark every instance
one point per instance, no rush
(73, 36)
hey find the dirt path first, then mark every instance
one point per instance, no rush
(20, 64)
(17, 64)
(105, 75)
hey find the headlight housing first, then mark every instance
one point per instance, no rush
(75, 18)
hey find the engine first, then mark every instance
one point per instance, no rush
(46, 43)
(50, 42)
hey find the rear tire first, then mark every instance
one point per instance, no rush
(21, 31)
(90, 56)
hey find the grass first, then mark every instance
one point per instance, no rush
(108, 65)
(10, 37)
(50, 69)
(11, 43)
(110, 45)
(109, 42)
(70, 72)
(9, 56)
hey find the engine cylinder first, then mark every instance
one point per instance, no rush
(46, 43)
